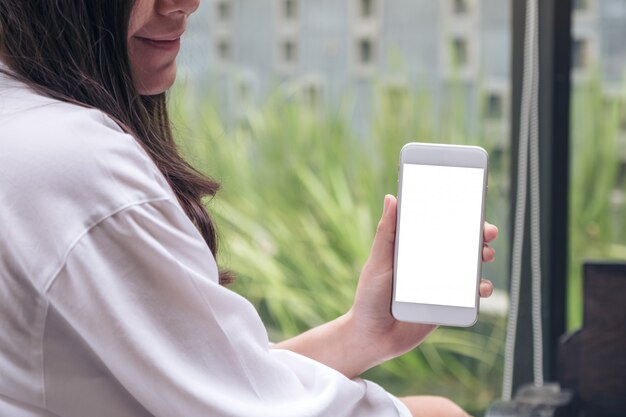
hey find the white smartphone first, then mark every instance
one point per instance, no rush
(439, 234)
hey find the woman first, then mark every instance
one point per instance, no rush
(110, 296)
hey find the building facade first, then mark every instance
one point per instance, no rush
(244, 50)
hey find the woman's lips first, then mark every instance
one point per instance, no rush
(168, 45)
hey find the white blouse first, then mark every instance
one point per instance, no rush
(109, 301)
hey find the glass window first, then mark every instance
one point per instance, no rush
(367, 8)
(312, 95)
(597, 227)
(244, 90)
(366, 51)
(494, 106)
(581, 5)
(224, 51)
(460, 6)
(290, 9)
(289, 51)
(459, 52)
(580, 52)
(224, 11)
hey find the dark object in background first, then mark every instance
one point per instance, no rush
(592, 360)
(530, 401)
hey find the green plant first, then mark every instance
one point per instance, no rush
(301, 199)
(595, 159)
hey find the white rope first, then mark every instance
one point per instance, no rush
(535, 219)
(528, 85)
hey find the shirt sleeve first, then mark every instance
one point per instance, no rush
(140, 288)
(403, 410)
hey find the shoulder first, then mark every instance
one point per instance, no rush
(64, 168)
(68, 148)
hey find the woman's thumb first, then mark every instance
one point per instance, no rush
(384, 241)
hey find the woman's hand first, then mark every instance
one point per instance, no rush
(370, 314)
(368, 335)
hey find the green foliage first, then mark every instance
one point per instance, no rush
(301, 198)
(597, 225)
(302, 195)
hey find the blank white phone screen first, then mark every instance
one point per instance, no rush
(439, 235)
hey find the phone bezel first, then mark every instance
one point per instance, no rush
(440, 155)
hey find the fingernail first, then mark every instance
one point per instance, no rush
(385, 205)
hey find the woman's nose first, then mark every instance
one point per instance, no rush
(167, 7)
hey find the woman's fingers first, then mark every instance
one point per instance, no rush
(489, 254)
(384, 241)
(490, 232)
(486, 288)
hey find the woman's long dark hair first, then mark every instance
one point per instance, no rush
(76, 51)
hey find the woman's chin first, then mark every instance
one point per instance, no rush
(156, 82)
